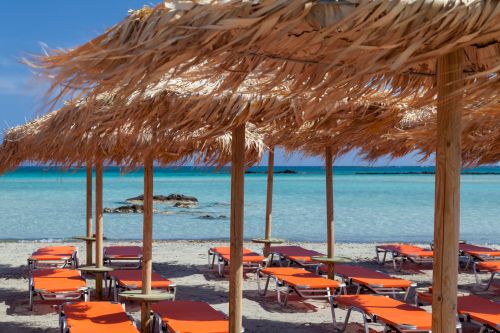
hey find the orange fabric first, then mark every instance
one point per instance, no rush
(132, 278)
(407, 250)
(368, 277)
(123, 252)
(248, 255)
(299, 277)
(295, 253)
(425, 296)
(58, 280)
(191, 317)
(53, 253)
(478, 251)
(480, 309)
(86, 317)
(490, 266)
(388, 310)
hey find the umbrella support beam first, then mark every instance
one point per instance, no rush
(237, 209)
(99, 262)
(269, 201)
(89, 213)
(447, 195)
(147, 244)
(330, 234)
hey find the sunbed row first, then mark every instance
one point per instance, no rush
(68, 284)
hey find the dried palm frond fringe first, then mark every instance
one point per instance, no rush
(329, 49)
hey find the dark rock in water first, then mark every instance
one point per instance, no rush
(211, 217)
(181, 197)
(186, 204)
(287, 171)
(128, 209)
(162, 198)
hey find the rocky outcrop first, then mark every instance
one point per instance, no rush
(128, 209)
(212, 217)
(172, 198)
(186, 204)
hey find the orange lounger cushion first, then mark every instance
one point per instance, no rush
(85, 317)
(53, 253)
(248, 255)
(407, 250)
(296, 253)
(58, 280)
(301, 278)
(490, 266)
(191, 317)
(368, 277)
(123, 252)
(133, 279)
(480, 310)
(388, 310)
(478, 251)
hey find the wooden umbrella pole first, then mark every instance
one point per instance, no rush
(237, 210)
(98, 226)
(89, 213)
(147, 243)
(330, 234)
(269, 201)
(447, 196)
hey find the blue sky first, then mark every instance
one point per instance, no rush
(24, 25)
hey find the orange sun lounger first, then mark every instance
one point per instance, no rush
(295, 254)
(188, 317)
(492, 267)
(123, 254)
(251, 260)
(57, 284)
(391, 313)
(131, 279)
(403, 252)
(480, 311)
(298, 280)
(477, 253)
(54, 257)
(86, 317)
(377, 282)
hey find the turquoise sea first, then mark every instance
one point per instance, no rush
(37, 203)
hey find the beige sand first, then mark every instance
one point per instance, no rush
(185, 262)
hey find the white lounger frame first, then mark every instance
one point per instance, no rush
(64, 262)
(108, 261)
(367, 318)
(116, 288)
(222, 263)
(378, 289)
(399, 258)
(478, 280)
(303, 291)
(80, 293)
(63, 323)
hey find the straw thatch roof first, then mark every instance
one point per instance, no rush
(380, 130)
(330, 49)
(74, 135)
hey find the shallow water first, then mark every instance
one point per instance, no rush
(46, 204)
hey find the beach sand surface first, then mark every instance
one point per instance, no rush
(185, 262)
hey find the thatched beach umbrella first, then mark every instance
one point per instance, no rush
(427, 50)
(41, 141)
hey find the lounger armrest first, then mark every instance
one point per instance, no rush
(305, 286)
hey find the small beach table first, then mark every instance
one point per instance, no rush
(330, 262)
(88, 245)
(100, 273)
(267, 244)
